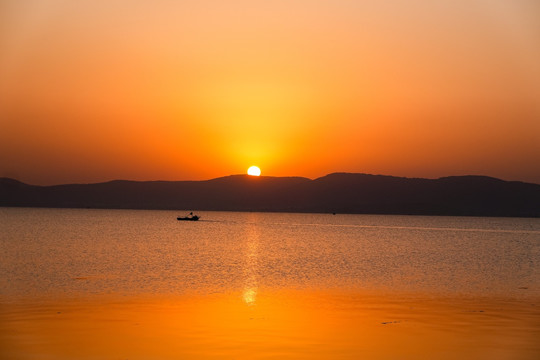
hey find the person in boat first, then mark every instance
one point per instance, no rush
(190, 216)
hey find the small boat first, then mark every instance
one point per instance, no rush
(190, 217)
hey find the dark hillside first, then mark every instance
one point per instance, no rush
(339, 192)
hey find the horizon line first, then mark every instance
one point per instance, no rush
(268, 176)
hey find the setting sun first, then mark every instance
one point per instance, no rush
(254, 171)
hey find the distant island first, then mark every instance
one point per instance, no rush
(333, 193)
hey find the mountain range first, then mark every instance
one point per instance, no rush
(333, 193)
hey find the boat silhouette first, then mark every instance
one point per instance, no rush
(190, 217)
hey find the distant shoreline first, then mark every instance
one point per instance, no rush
(340, 193)
(259, 211)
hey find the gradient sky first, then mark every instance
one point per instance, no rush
(189, 90)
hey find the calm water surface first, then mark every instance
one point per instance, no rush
(50, 252)
(266, 285)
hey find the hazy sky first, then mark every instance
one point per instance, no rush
(97, 90)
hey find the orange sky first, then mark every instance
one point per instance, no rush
(186, 90)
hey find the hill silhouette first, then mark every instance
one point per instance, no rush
(338, 192)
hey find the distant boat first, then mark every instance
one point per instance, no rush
(190, 217)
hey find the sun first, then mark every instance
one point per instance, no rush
(254, 171)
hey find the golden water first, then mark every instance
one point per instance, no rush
(122, 284)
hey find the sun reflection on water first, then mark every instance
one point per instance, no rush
(249, 295)
(251, 285)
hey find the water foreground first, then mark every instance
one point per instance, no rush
(91, 284)
(287, 324)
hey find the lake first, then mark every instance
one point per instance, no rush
(118, 284)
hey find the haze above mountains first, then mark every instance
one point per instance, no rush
(333, 193)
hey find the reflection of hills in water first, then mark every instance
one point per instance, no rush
(339, 192)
